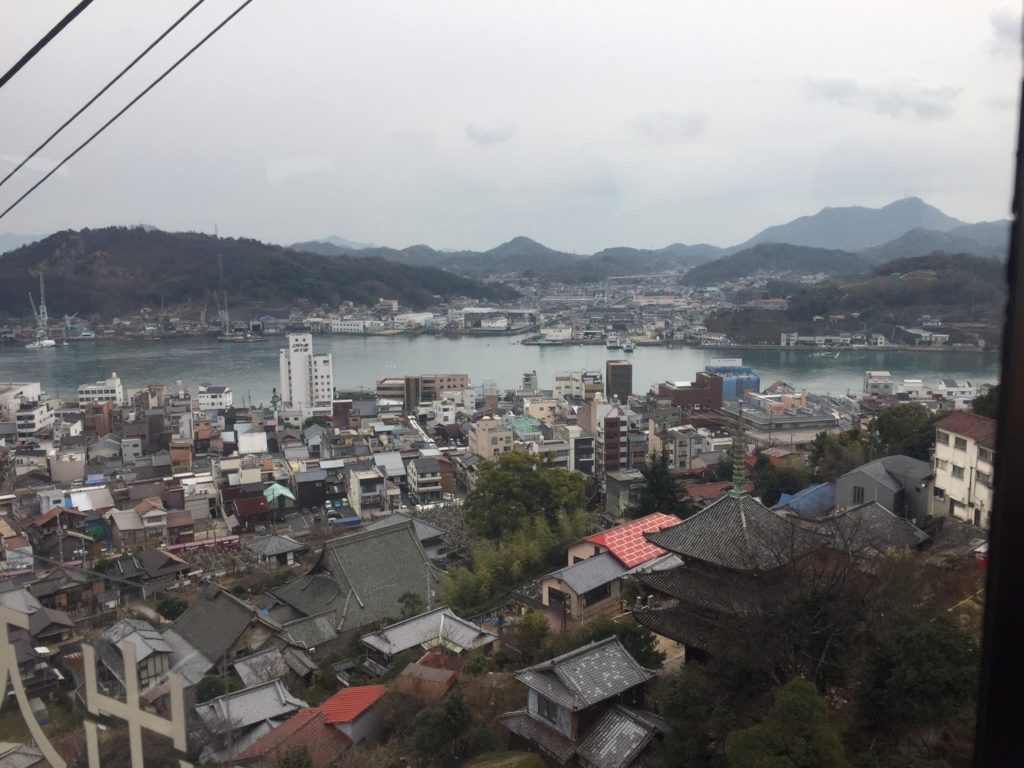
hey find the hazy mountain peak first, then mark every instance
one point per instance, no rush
(344, 242)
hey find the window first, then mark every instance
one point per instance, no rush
(941, 437)
(858, 494)
(984, 478)
(547, 709)
(958, 472)
(939, 494)
(984, 454)
(941, 464)
(960, 443)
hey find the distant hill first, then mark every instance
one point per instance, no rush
(118, 269)
(855, 228)
(9, 241)
(332, 245)
(988, 239)
(780, 258)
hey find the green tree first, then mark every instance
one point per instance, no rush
(515, 488)
(661, 492)
(412, 604)
(437, 730)
(530, 634)
(920, 673)
(212, 686)
(770, 481)
(906, 429)
(794, 734)
(171, 607)
(833, 455)
(987, 403)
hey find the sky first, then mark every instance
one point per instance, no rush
(583, 124)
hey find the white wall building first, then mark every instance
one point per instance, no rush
(964, 461)
(306, 379)
(108, 390)
(211, 398)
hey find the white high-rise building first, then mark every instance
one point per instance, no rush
(306, 379)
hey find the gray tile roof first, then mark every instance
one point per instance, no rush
(737, 532)
(894, 472)
(140, 634)
(591, 573)
(310, 631)
(360, 578)
(716, 591)
(554, 744)
(439, 627)
(274, 544)
(869, 529)
(586, 676)
(242, 709)
(213, 623)
(617, 738)
(686, 628)
(424, 530)
(426, 466)
(262, 667)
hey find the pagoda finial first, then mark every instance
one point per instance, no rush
(739, 455)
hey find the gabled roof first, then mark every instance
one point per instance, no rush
(361, 577)
(306, 729)
(141, 634)
(869, 529)
(809, 503)
(737, 532)
(439, 627)
(586, 676)
(248, 507)
(894, 472)
(971, 425)
(157, 563)
(261, 667)
(424, 530)
(551, 741)
(589, 574)
(618, 737)
(274, 544)
(310, 631)
(349, 703)
(627, 541)
(213, 623)
(248, 707)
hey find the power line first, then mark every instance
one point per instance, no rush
(124, 109)
(105, 88)
(44, 41)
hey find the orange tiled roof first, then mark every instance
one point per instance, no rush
(627, 542)
(348, 703)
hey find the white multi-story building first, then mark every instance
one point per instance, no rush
(212, 398)
(307, 380)
(964, 461)
(108, 390)
(32, 417)
(13, 394)
(578, 384)
(878, 383)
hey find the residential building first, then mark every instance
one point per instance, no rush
(618, 380)
(306, 732)
(357, 712)
(578, 385)
(878, 383)
(235, 721)
(152, 655)
(898, 483)
(214, 398)
(107, 391)
(424, 480)
(33, 417)
(581, 446)
(964, 463)
(586, 704)
(489, 438)
(307, 379)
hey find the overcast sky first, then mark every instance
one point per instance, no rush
(462, 124)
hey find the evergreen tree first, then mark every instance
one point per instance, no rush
(661, 492)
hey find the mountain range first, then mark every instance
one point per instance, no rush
(848, 240)
(120, 269)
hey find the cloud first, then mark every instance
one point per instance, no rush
(1006, 33)
(911, 101)
(283, 168)
(486, 136)
(669, 127)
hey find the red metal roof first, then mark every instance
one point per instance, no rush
(971, 425)
(348, 703)
(304, 729)
(253, 505)
(627, 543)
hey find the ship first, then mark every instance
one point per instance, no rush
(613, 343)
(628, 346)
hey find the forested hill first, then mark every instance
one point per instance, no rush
(120, 269)
(777, 258)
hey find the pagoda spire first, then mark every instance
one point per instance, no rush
(739, 456)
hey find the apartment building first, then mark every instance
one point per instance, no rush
(109, 390)
(306, 379)
(211, 398)
(964, 461)
(489, 438)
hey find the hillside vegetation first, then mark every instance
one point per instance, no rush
(118, 269)
(778, 258)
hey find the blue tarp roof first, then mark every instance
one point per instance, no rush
(811, 502)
